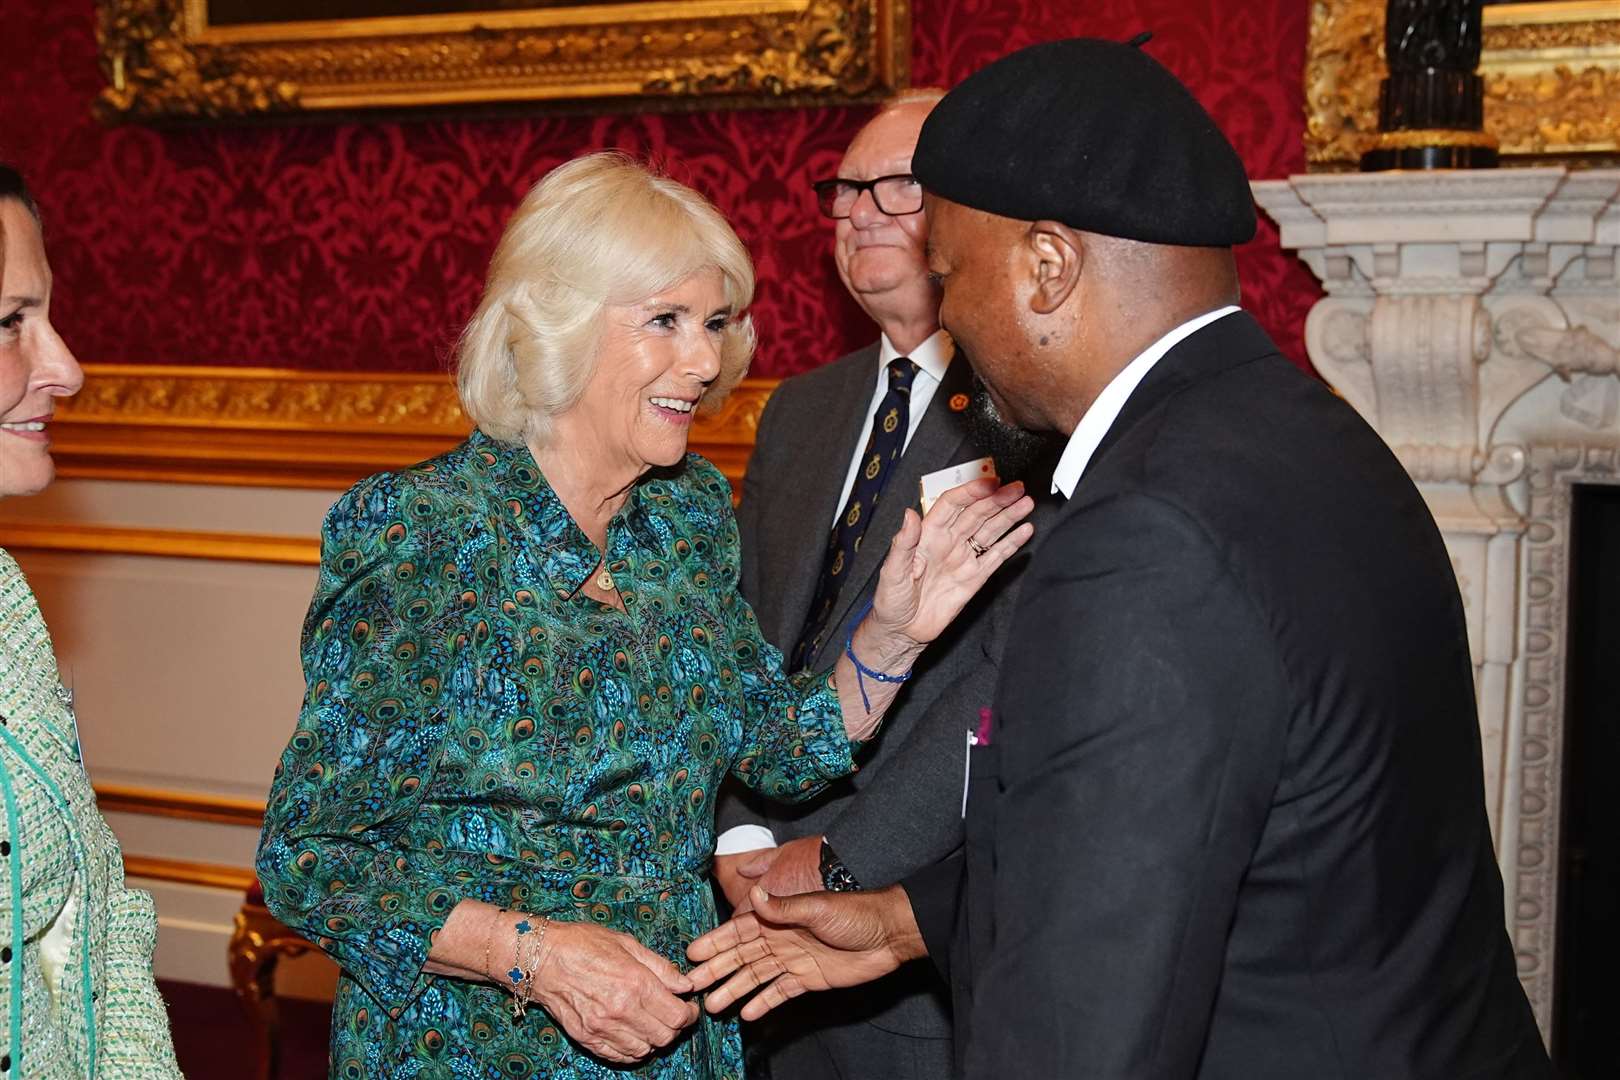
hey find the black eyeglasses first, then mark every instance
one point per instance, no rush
(895, 195)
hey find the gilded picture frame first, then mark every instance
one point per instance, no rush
(168, 60)
(1551, 71)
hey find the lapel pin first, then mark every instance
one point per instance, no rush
(959, 403)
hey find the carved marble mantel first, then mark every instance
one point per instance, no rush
(1473, 318)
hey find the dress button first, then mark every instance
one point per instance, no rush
(5, 1063)
(5, 955)
(5, 847)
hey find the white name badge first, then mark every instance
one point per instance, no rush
(938, 483)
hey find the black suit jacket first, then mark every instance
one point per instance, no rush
(902, 810)
(1231, 823)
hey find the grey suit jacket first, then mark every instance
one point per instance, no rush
(902, 810)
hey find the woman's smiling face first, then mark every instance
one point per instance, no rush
(36, 366)
(655, 359)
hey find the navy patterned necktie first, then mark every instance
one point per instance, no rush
(884, 446)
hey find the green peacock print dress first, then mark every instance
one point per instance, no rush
(475, 727)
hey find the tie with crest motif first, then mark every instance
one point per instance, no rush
(883, 449)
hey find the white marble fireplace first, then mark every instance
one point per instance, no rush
(1474, 319)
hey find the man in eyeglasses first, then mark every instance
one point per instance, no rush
(840, 454)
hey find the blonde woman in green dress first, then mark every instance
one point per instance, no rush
(77, 999)
(528, 669)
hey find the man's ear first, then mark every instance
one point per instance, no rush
(1057, 255)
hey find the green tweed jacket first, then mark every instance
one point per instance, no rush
(77, 998)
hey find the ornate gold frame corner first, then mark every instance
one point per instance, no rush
(1551, 70)
(163, 60)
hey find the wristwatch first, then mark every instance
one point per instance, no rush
(835, 876)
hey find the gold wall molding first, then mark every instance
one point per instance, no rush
(185, 805)
(167, 543)
(1551, 71)
(284, 428)
(165, 59)
(270, 397)
(238, 879)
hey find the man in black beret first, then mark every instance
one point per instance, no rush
(1228, 817)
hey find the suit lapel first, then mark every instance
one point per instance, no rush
(823, 438)
(939, 438)
(1225, 343)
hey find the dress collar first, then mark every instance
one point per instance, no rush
(566, 555)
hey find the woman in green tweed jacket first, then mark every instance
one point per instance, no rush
(528, 669)
(76, 993)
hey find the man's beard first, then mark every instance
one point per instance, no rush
(1016, 451)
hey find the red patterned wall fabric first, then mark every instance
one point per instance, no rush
(361, 246)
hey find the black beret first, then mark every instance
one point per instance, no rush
(1095, 134)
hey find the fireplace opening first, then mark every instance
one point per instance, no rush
(1589, 883)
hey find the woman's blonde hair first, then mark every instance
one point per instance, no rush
(602, 229)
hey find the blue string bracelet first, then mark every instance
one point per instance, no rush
(862, 672)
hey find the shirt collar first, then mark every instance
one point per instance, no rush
(1093, 426)
(932, 357)
(565, 554)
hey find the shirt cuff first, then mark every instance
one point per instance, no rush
(741, 838)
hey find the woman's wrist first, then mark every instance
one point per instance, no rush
(501, 947)
(515, 950)
(887, 662)
(888, 651)
(544, 949)
(496, 956)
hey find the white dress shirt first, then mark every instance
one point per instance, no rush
(933, 358)
(1093, 426)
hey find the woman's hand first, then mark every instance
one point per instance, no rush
(612, 994)
(936, 564)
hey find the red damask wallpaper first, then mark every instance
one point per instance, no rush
(362, 246)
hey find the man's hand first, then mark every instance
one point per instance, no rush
(793, 868)
(817, 941)
(728, 873)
